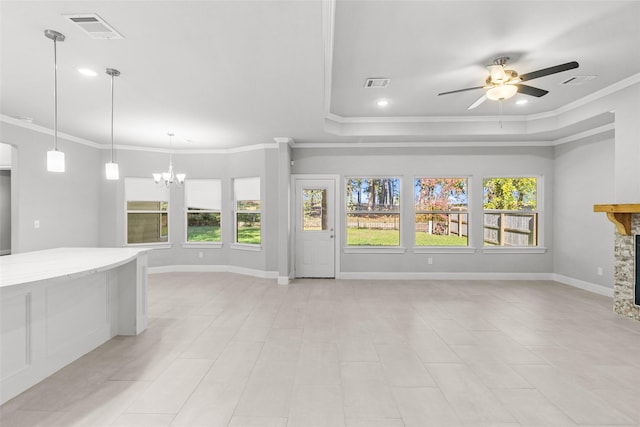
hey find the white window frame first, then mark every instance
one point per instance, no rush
(236, 211)
(540, 248)
(145, 190)
(390, 249)
(214, 203)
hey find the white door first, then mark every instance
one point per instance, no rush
(315, 236)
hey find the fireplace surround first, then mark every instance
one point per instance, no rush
(626, 287)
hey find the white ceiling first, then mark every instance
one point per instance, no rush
(226, 74)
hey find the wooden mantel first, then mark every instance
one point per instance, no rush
(620, 215)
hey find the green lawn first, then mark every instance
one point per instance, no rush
(203, 234)
(249, 235)
(426, 239)
(372, 237)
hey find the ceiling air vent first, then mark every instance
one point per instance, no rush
(94, 26)
(577, 80)
(377, 83)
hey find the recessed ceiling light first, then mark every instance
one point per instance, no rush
(382, 103)
(86, 72)
(521, 101)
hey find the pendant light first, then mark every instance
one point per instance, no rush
(55, 158)
(169, 177)
(111, 168)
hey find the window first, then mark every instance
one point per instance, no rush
(373, 211)
(510, 211)
(248, 208)
(441, 211)
(203, 203)
(314, 216)
(147, 211)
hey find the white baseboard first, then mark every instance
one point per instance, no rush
(284, 280)
(587, 286)
(443, 276)
(214, 269)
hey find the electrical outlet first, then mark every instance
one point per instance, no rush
(600, 271)
(36, 223)
(429, 261)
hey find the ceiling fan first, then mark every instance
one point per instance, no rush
(503, 84)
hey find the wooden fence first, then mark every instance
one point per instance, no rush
(508, 228)
(442, 223)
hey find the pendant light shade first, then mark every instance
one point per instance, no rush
(55, 161)
(55, 158)
(111, 168)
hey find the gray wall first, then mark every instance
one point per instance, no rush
(66, 204)
(583, 240)
(409, 163)
(224, 166)
(5, 211)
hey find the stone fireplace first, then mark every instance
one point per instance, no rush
(626, 287)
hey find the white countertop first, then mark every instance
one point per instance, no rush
(30, 267)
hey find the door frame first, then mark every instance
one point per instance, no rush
(337, 219)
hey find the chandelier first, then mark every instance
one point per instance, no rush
(169, 177)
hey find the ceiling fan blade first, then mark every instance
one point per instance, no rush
(460, 90)
(547, 71)
(530, 90)
(478, 102)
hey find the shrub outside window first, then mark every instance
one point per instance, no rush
(441, 212)
(147, 210)
(248, 210)
(373, 211)
(203, 202)
(510, 211)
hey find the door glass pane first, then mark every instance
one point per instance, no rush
(314, 212)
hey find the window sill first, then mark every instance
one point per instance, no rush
(204, 245)
(149, 245)
(443, 250)
(246, 247)
(514, 250)
(374, 250)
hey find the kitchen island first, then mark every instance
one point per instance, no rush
(58, 304)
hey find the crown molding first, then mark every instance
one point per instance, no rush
(41, 129)
(82, 141)
(610, 127)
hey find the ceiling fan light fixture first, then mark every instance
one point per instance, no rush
(497, 74)
(501, 92)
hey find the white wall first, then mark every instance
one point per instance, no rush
(583, 240)
(455, 162)
(65, 204)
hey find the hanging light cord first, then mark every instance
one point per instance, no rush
(55, 95)
(112, 118)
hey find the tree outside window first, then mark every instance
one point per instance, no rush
(373, 211)
(441, 217)
(510, 211)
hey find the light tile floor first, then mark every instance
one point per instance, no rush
(236, 351)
